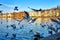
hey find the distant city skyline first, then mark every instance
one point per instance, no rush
(24, 4)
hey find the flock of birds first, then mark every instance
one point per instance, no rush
(27, 17)
(37, 35)
(30, 20)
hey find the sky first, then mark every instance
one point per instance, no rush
(24, 4)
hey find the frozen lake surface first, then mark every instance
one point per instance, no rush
(13, 30)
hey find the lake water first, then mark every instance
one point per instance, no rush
(23, 30)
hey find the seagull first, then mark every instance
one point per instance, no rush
(21, 26)
(0, 4)
(35, 9)
(7, 26)
(14, 26)
(55, 21)
(37, 36)
(33, 20)
(27, 17)
(50, 32)
(16, 8)
(43, 25)
(6, 35)
(14, 37)
(52, 28)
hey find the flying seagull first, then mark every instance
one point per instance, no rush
(14, 37)
(16, 8)
(35, 9)
(30, 20)
(42, 25)
(26, 17)
(33, 20)
(0, 4)
(6, 35)
(13, 26)
(52, 28)
(1, 11)
(7, 26)
(38, 36)
(50, 32)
